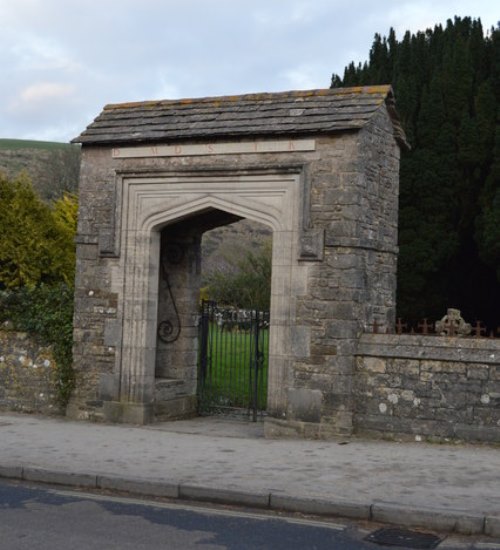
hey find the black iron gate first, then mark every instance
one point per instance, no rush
(233, 360)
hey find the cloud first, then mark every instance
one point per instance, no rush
(63, 61)
(35, 53)
(44, 92)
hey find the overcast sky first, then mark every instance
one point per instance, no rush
(63, 60)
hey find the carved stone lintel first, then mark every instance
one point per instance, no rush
(312, 245)
(452, 324)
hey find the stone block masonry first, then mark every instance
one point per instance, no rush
(26, 375)
(318, 168)
(428, 387)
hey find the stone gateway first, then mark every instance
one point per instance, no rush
(319, 168)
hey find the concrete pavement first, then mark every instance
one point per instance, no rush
(443, 487)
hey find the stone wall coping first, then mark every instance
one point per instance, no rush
(438, 348)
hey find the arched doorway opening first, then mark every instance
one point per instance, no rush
(166, 217)
(235, 320)
(210, 357)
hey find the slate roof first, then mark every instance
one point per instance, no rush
(324, 111)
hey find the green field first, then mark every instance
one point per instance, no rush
(31, 144)
(230, 378)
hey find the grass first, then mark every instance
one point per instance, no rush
(229, 381)
(31, 144)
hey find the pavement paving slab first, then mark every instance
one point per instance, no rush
(225, 459)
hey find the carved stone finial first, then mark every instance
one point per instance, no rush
(452, 324)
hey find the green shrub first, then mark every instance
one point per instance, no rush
(36, 239)
(37, 266)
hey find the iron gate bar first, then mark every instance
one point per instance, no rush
(232, 359)
(256, 367)
(203, 345)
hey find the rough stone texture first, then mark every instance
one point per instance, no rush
(333, 211)
(428, 387)
(354, 197)
(26, 375)
(176, 349)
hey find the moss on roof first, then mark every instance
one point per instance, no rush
(308, 112)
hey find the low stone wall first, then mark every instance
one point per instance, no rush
(428, 387)
(26, 375)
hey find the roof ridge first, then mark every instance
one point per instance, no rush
(382, 89)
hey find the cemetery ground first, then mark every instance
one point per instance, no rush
(231, 377)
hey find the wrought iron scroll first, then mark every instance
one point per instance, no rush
(169, 329)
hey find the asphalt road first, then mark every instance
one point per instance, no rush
(44, 518)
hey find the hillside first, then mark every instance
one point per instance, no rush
(53, 167)
(224, 247)
(9, 144)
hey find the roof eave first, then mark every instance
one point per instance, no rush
(128, 140)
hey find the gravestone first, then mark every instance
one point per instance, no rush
(318, 168)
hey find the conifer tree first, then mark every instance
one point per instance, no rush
(447, 86)
(36, 240)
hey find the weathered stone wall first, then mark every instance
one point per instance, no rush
(94, 300)
(339, 272)
(26, 375)
(428, 387)
(178, 299)
(354, 197)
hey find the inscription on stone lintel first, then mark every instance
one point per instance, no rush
(227, 148)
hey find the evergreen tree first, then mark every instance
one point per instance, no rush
(447, 87)
(36, 240)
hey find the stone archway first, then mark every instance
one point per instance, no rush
(319, 167)
(152, 202)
